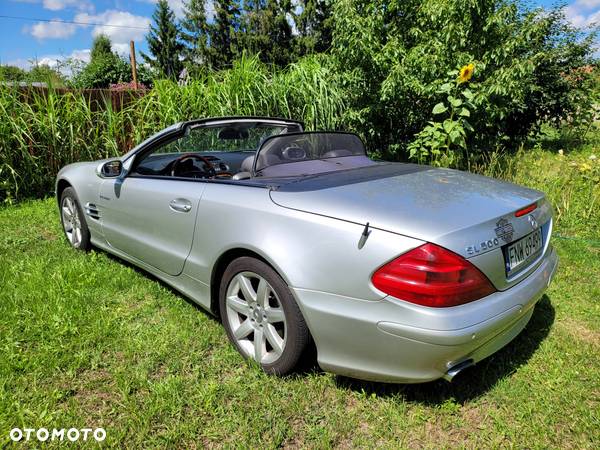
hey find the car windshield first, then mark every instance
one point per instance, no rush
(300, 147)
(237, 137)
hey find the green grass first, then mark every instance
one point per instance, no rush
(569, 174)
(88, 341)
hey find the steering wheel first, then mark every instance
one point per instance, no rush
(210, 169)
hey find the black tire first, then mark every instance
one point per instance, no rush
(83, 243)
(297, 336)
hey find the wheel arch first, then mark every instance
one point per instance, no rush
(61, 185)
(221, 265)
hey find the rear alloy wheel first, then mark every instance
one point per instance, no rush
(261, 317)
(73, 222)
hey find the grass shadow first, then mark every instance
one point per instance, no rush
(308, 362)
(566, 138)
(152, 277)
(477, 380)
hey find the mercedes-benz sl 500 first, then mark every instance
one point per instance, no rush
(397, 272)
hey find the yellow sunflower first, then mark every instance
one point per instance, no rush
(466, 72)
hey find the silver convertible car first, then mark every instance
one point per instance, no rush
(397, 272)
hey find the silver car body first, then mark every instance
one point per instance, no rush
(310, 232)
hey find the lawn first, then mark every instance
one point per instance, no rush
(88, 341)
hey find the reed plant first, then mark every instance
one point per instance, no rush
(42, 131)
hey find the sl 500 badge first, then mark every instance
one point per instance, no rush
(482, 246)
(504, 230)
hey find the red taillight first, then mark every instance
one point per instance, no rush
(526, 210)
(430, 275)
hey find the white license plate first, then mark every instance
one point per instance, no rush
(523, 252)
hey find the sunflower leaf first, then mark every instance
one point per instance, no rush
(468, 94)
(440, 108)
(455, 102)
(445, 88)
(449, 125)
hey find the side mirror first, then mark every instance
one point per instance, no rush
(110, 169)
(242, 176)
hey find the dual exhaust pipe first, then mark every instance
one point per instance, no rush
(458, 368)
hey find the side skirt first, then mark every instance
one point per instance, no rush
(194, 289)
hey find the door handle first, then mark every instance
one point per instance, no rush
(180, 205)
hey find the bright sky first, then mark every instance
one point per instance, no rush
(23, 41)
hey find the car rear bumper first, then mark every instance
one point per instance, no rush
(393, 341)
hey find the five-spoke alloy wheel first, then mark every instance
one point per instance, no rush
(261, 316)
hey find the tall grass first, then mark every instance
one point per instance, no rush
(44, 132)
(570, 178)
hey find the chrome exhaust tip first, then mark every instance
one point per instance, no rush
(458, 368)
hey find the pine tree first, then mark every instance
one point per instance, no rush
(195, 35)
(315, 26)
(224, 33)
(251, 37)
(163, 42)
(266, 30)
(101, 48)
(279, 31)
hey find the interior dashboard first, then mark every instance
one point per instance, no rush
(162, 164)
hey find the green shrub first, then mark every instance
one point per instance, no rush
(105, 68)
(12, 73)
(103, 72)
(396, 57)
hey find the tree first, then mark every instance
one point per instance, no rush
(277, 44)
(195, 35)
(165, 48)
(251, 37)
(105, 67)
(314, 25)
(224, 33)
(101, 48)
(265, 30)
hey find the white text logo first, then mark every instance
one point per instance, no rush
(44, 434)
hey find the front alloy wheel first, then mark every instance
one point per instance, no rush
(261, 316)
(73, 222)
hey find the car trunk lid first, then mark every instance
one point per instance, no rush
(469, 214)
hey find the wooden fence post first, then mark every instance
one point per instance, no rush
(133, 65)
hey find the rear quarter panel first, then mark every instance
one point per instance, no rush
(309, 251)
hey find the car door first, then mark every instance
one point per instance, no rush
(149, 213)
(151, 218)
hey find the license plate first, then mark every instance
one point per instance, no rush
(523, 252)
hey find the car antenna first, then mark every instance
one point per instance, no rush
(363, 237)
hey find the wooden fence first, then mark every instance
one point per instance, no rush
(97, 98)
